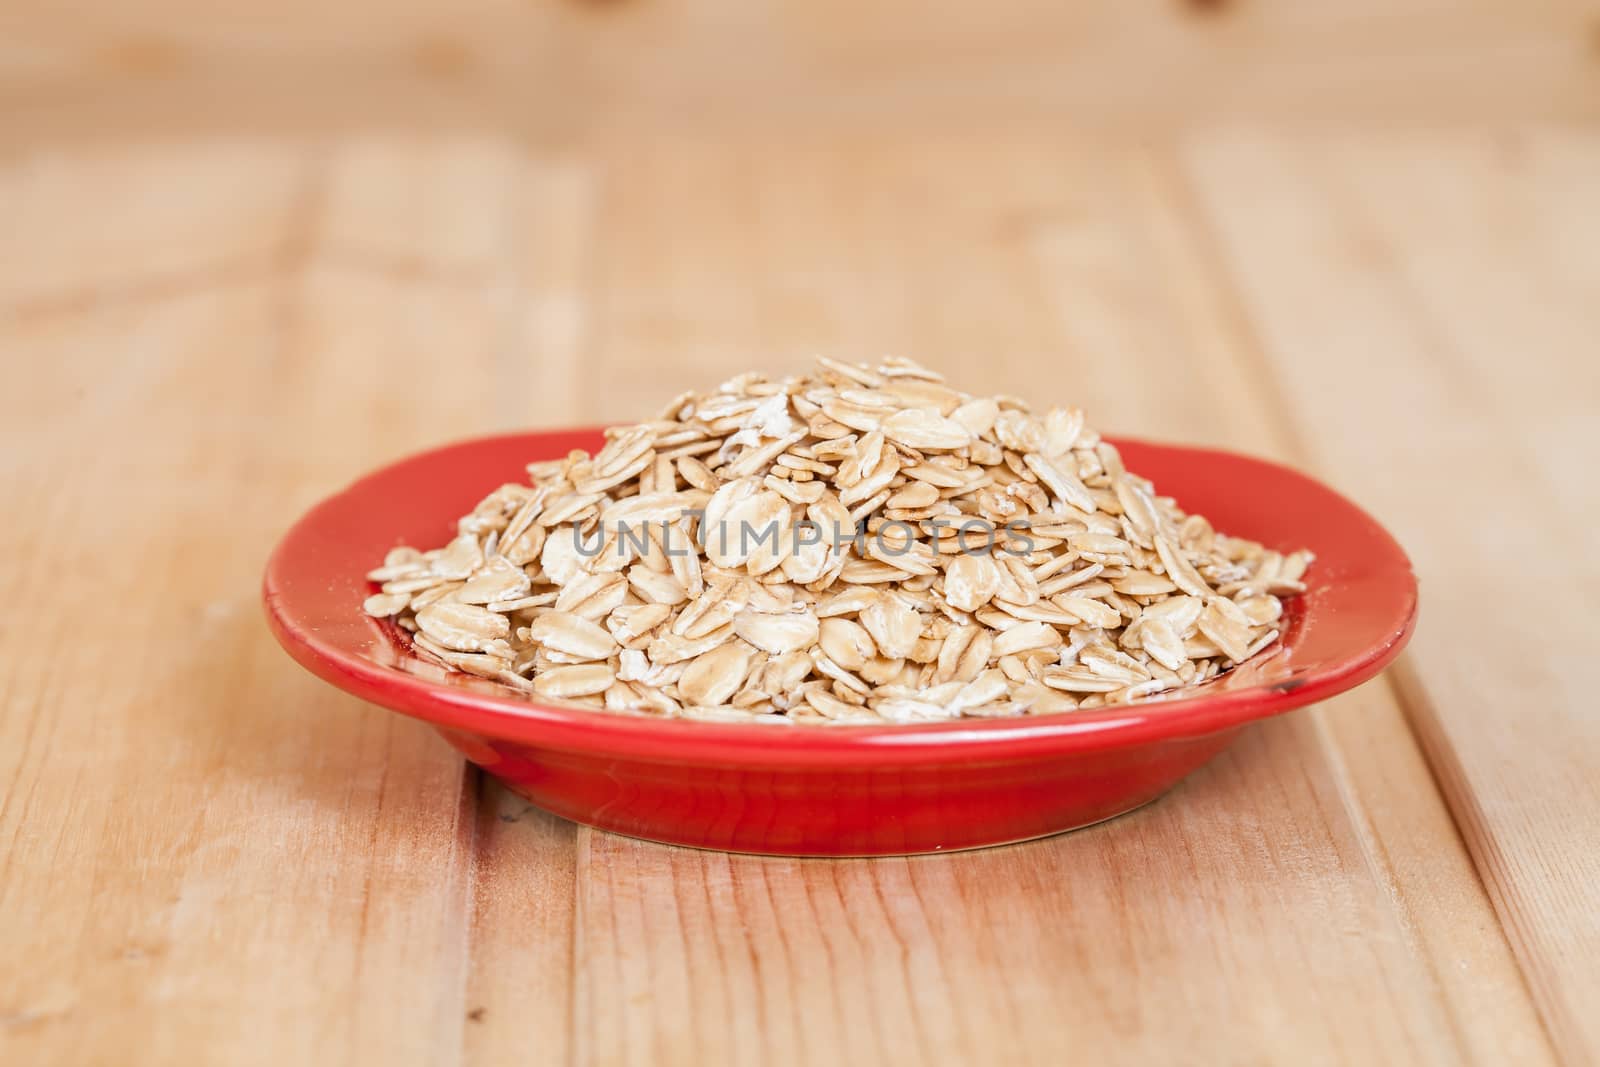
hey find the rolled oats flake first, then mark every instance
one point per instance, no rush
(857, 545)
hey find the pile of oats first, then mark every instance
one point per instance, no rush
(855, 545)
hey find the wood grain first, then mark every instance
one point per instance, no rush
(201, 848)
(1426, 289)
(209, 855)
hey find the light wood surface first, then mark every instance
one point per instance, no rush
(564, 66)
(206, 855)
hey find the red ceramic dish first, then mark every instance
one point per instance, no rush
(847, 790)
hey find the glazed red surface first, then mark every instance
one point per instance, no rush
(847, 790)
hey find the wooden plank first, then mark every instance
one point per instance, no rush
(1256, 911)
(519, 992)
(207, 853)
(1407, 829)
(90, 225)
(572, 67)
(202, 846)
(1431, 319)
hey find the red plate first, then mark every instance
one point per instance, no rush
(847, 790)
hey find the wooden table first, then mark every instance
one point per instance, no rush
(211, 857)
